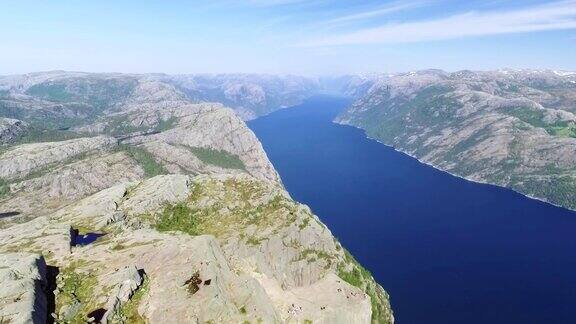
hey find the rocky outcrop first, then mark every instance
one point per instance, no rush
(128, 280)
(221, 248)
(61, 185)
(511, 128)
(20, 161)
(208, 126)
(22, 292)
(11, 129)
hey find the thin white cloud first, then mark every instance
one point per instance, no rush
(378, 12)
(554, 16)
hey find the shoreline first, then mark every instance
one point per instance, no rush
(543, 200)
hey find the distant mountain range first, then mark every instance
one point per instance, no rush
(513, 128)
(81, 95)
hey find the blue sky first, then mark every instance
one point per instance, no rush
(310, 37)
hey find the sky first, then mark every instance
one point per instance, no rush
(307, 37)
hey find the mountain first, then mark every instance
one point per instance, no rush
(123, 199)
(250, 95)
(512, 128)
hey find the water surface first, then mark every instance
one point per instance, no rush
(447, 250)
(87, 238)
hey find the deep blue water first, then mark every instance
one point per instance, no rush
(85, 239)
(447, 250)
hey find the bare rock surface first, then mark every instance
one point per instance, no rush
(11, 129)
(22, 295)
(65, 184)
(21, 160)
(221, 248)
(210, 126)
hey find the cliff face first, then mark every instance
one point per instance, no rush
(511, 128)
(190, 219)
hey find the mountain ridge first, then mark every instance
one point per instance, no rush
(514, 128)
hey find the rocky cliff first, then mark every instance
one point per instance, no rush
(10, 130)
(511, 128)
(125, 201)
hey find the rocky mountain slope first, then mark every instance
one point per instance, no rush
(510, 128)
(250, 95)
(77, 95)
(121, 200)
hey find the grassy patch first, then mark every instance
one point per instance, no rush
(164, 125)
(178, 217)
(4, 188)
(145, 159)
(119, 125)
(255, 241)
(218, 158)
(304, 224)
(75, 287)
(50, 91)
(39, 135)
(362, 278)
(99, 93)
(129, 310)
(535, 117)
(313, 254)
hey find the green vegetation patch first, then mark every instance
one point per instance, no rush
(535, 117)
(145, 159)
(218, 158)
(128, 312)
(178, 217)
(99, 93)
(362, 278)
(226, 208)
(164, 125)
(76, 293)
(39, 135)
(4, 188)
(50, 91)
(313, 255)
(432, 106)
(558, 189)
(121, 125)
